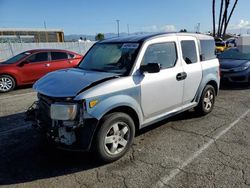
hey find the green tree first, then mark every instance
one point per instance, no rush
(183, 30)
(99, 36)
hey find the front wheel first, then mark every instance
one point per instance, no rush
(7, 83)
(207, 100)
(114, 137)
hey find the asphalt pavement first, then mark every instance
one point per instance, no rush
(183, 151)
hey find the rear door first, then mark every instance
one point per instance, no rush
(191, 66)
(60, 60)
(34, 67)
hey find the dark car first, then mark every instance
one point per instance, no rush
(235, 66)
(27, 67)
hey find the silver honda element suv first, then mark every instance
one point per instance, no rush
(122, 85)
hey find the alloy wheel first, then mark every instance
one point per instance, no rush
(6, 84)
(116, 138)
(208, 100)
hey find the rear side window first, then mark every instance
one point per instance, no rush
(71, 56)
(189, 51)
(163, 53)
(58, 55)
(43, 56)
(207, 49)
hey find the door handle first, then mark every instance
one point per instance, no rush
(47, 65)
(181, 76)
(70, 62)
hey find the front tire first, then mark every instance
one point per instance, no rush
(7, 83)
(207, 100)
(114, 137)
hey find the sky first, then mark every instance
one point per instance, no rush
(96, 16)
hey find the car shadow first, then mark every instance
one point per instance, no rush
(190, 114)
(25, 157)
(234, 86)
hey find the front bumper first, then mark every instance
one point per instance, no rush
(236, 77)
(78, 138)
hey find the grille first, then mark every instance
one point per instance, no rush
(44, 104)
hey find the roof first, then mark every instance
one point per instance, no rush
(49, 49)
(31, 29)
(142, 37)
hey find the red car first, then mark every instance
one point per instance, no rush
(29, 66)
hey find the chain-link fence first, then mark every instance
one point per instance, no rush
(8, 50)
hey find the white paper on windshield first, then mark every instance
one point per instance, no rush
(130, 46)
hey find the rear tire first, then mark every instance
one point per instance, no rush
(207, 100)
(114, 137)
(7, 83)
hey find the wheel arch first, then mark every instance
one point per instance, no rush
(12, 76)
(215, 85)
(202, 87)
(127, 110)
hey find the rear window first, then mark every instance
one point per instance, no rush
(58, 55)
(189, 51)
(71, 56)
(207, 49)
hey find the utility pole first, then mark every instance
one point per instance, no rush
(198, 27)
(44, 23)
(128, 28)
(118, 27)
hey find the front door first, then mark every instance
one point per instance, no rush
(161, 92)
(35, 66)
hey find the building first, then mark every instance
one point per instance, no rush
(31, 35)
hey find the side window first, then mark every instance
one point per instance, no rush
(58, 55)
(163, 53)
(43, 56)
(207, 49)
(189, 51)
(71, 56)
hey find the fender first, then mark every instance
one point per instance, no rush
(209, 78)
(107, 104)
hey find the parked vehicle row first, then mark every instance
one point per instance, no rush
(27, 67)
(235, 65)
(221, 45)
(122, 85)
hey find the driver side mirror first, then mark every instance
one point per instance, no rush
(23, 63)
(150, 68)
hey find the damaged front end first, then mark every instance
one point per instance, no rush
(63, 121)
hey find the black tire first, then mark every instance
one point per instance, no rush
(207, 100)
(7, 83)
(113, 130)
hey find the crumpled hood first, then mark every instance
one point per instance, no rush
(69, 82)
(231, 63)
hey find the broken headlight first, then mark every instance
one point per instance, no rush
(61, 111)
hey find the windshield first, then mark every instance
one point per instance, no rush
(111, 57)
(234, 53)
(15, 58)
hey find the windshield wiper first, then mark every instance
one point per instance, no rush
(97, 70)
